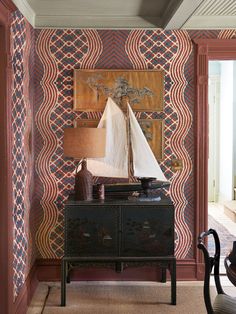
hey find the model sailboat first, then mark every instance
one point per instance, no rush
(127, 150)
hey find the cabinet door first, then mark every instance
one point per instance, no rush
(91, 230)
(148, 230)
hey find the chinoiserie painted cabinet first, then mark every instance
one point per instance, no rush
(119, 231)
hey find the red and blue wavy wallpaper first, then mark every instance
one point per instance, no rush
(58, 52)
(24, 252)
(43, 63)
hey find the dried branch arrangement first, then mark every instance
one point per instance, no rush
(120, 91)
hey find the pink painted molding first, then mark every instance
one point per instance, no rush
(207, 49)
(50, 270)
(9, 5)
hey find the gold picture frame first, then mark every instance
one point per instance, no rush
(152, 129)
(92, 87)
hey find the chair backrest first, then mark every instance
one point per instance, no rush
(212, 264)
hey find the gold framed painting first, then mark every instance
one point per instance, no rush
(152, 129)
(86, 123)
(142, 88)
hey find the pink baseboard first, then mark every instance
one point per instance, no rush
(26, 293)
(50, 270)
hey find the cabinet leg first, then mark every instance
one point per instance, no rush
(163, 274)
(173, 281)
(68, 270)
(64, 267)
(119, 267)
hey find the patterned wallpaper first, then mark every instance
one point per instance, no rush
(43, 63)
(22, 150)
(58, 52)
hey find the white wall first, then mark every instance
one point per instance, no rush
(226, 132)
(214, 105)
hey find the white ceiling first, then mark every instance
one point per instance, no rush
(166, 14)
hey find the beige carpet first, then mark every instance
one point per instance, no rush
(124, 299)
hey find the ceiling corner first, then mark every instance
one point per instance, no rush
(179, 12)
(24, 7)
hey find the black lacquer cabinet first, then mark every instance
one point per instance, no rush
(119, 231)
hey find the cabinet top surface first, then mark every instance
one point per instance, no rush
(164, 201)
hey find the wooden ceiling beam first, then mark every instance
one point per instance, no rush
(179, 12)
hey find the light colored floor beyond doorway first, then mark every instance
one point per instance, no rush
(216, 210)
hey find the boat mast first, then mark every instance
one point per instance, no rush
(130, 155)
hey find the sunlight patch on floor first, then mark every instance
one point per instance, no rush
(216, 210)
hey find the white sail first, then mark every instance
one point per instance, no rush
(115, 163)
(145, 164)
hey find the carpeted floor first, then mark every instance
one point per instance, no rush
(226, 238)
(116, 298)
(122, 299)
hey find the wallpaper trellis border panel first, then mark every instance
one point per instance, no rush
(22, 150)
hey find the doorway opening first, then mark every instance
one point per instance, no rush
(222, 151)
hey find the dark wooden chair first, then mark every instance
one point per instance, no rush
(223, 303)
